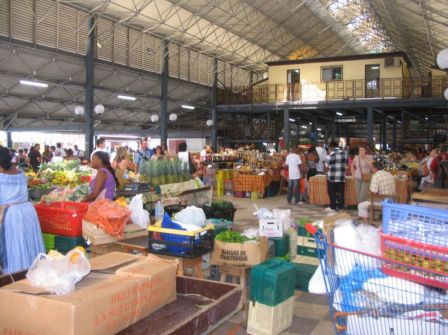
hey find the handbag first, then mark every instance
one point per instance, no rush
(365, 176)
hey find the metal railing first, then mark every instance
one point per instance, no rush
(401, 88)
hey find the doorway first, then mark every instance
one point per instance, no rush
(293, 82)
(372, 81)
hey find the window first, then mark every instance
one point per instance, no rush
(329, 73)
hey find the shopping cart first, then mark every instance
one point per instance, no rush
(363, 300)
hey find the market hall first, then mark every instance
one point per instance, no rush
(223, 167)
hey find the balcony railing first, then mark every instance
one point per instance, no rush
(401, 88)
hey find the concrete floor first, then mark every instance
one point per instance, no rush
(311, 312)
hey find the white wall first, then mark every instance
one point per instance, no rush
(3, 138)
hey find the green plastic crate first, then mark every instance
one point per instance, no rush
(307, 251)
(221, 225)
(64, 244)
(48, 241)
(304, 272)
(281, 245)
(272, 282)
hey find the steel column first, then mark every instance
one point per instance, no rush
(370, 127)
(394, 134)
(314, 129)
(286, 128)
(164, 95)
(384, 131)
(402, 130)
(9, 139)
(213, 105)
(89, 95)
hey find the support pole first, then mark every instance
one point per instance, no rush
(384, 131)
(213, 106)
(164, 96)
(402, 130)
(89, 95)
(370, 127)
(9, 139)
(314, 129)
(286, 128)
(394, 134)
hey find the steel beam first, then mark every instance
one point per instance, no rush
(213, 104)
(9, 139)
(384, 131)
(89, 95)
(286, 128)
(164, 95)
(370, 127)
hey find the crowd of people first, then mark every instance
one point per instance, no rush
(366, 167)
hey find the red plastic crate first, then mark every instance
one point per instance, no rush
(416, 261)
(62, 218)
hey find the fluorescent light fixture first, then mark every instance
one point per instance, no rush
(310, 123)
(33, 83)
(126, 97)
(304, 127)
(292, 120)
(375, 67)
(319, 129)
(187, 106)
(426, 118)
(339, 113)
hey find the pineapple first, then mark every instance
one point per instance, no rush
(170, 171)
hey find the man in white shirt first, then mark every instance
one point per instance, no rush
(100, 146)
(293, 162)
(60, 150)
(322, 153)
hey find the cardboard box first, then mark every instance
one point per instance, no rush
(120, 290)
(97, 236)
(244, 254)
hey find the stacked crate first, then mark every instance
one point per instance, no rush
(272, 297)
(281, 245)
(306, 247)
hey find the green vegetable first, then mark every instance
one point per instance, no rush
(302, 221)
(230, 236)
(222, 205)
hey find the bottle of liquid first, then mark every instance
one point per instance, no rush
(159, 211)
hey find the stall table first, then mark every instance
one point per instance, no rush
(432, 195)
(318, 194)
(243, 182)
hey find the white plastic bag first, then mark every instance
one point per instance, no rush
(191, 215)
(369, 242)
(139, 216)
(316, 284)
(58, 275)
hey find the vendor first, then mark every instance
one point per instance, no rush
(105, 180)
(158, 153)
(20, 235)
(122, 164)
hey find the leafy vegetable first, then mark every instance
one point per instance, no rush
(222, 205)
(302, 221)
(230, 236)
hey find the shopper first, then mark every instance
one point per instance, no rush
(361, 169)
(322, 153)
(293, 163)
(100, 146)
(122, 164)
(47, 154)
(383, 184)
(337, 162)
(78, 153)
(312, 160)
(105, 180)
(186, 159)
(158, 153)
(60, 150)
(428, 168)
(20, 234)
(35, 157)
(71, 155)
(144, 153)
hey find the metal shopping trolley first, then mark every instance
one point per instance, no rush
(366, 299)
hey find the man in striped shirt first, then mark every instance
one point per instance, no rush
(383, 183)
(336, 162)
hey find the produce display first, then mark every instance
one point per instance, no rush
(69, 173)
(164, 171)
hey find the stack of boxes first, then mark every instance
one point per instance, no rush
(306, 247)
(272, 297)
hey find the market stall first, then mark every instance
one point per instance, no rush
(247, 182)
(318, 194)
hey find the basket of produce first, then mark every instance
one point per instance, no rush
(220, 209)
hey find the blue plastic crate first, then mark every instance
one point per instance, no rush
(418, 223)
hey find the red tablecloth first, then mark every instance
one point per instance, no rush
(250, 183)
